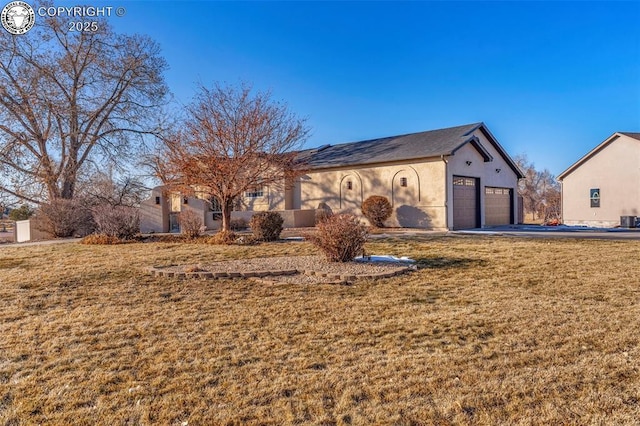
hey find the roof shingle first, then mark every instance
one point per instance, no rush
(432, 143)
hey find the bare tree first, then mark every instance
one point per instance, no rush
(105, 188)
(68, 98)
(539, 190)
(232, 141)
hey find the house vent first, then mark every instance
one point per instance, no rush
(323, 147)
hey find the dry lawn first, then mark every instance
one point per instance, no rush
(490, 331)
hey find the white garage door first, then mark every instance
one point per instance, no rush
(497, 206)
(465, 203)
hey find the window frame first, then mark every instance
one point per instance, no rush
(594, 198)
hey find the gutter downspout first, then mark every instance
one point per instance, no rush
(446, 190)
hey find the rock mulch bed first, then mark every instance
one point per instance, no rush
(295, 270)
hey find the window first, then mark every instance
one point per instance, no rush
(254, 193)
(157, 200)
(403, 181)
(349, 185)
(176, 200)
(216, 208)
(462, 181)
(594, 196)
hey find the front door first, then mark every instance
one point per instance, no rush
(174, 224)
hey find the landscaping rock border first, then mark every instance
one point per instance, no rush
(264, 276)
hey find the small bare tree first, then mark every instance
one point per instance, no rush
(104, 188)
(67, 98)
(539, 190)
(232, 141)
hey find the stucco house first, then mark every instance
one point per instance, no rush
(453, 178)
(604, 185)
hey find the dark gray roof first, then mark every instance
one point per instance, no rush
(394, 148)
(632, 135)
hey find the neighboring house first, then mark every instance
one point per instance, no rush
(454, 178)
(604, 184)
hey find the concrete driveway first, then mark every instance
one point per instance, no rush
(538, 231)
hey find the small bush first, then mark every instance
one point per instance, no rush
(266, 226)
(377, 209)
(323, 212)
(238, 224)
(22, 213)
(102, 239)
(116, 221)
(64, 218)
(222, 238)
(191, 224)
(341, 237)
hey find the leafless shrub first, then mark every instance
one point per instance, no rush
(377, 209)
(222, 237)
(191, 224)
(64, 218)
(116, 221)
(100, 239)
(341, 237)
(323, 212)
(266, 226)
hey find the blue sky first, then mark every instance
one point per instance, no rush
(550, 79)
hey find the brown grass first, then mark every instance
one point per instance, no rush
(490, 331)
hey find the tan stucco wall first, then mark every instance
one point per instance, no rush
(615, 170)
(154, 217)
(486, 171)
(291, 218)
(274, 198)
(420, 204)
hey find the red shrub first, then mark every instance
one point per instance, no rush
(341, 237)
(377, 209)
(266, 226)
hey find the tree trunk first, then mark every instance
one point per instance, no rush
(227, 206)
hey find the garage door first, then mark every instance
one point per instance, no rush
(498, 206)
(465, 203)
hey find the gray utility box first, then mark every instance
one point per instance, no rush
(627, 221)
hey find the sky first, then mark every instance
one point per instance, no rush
(549, 79)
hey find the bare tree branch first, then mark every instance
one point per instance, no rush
(232, 141)
(67, 98)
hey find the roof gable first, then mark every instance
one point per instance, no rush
(631, 135)
(596, 150)
(413, 146)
